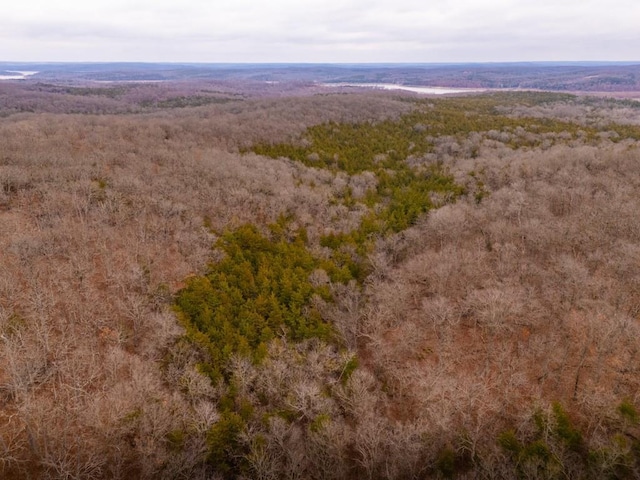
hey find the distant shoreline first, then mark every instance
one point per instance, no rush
(21, 74)
(408, 88)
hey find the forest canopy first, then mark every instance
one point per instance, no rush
(196, 283)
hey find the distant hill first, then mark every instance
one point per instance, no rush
(555, 76)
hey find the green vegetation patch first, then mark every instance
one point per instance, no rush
(557, 445)
(354, 148)
(260, 290)
(110, 92)
(189, 101)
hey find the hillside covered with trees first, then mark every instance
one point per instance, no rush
(200, 283)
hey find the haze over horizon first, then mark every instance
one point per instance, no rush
(318, 31)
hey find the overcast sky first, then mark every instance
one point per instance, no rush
(319, 30)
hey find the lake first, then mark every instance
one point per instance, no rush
(17, 74)
(408, 88)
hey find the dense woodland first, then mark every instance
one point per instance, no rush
(198, 283)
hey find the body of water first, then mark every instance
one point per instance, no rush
(408, 88)
(17, 74)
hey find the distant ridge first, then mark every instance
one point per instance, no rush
(587, 76)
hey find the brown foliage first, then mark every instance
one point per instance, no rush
(470, 321)
(526, 298)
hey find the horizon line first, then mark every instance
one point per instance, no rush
(285, 63)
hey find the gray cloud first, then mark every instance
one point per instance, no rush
(319, 30)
